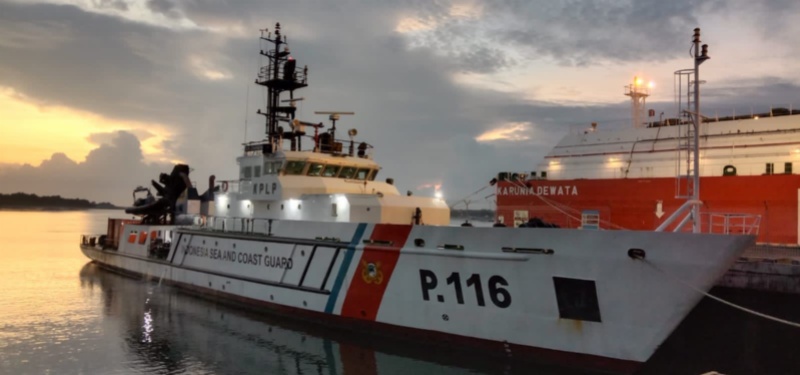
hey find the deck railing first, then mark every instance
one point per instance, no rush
(732, 223)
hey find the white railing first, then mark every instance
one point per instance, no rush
(236, 224)
(732, 223)
(715, 114)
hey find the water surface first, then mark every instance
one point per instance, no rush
(60, 314)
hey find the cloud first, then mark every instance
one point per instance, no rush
(164, 7)
(111, 4)
(579, 33)
(515, 131)
(109, 173)
(392, 63)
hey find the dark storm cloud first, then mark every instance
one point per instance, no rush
(109, 173)
(100, 63)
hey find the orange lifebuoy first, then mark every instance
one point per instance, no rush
(142, 237)
(224, 186)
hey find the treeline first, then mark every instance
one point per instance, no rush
(22, 200)
(485, 214)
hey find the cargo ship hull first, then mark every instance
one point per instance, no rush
(644, 203)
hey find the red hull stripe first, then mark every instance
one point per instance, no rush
(373, 271)
(632, 203)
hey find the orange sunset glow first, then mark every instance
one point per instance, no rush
(32, 132)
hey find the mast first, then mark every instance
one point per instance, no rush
(692, 143)
(699, 58)
(638, 93)
(278, 76)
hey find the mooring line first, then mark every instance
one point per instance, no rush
(718, 299)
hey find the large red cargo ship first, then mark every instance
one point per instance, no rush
(635, 177)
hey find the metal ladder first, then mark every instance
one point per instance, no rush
(684, 183)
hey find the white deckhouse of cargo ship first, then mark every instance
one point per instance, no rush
(312, 233)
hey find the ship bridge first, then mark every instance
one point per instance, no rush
(293, 174)
(307, 185)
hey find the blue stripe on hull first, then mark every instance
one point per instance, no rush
(348, 258)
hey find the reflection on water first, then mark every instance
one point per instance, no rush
(60, 314)
(166, 330)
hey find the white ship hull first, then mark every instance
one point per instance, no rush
(489, 287)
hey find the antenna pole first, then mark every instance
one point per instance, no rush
(699, 57)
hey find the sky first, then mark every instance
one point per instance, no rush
(100, 96)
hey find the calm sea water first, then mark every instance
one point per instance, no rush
(60, 314)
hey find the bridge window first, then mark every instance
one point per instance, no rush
(272, 167)
(247, 172)
(373, 174)
(347, 172)
(787, 168)
(330, 171)
(315, 169)
(257, 171)
(362, 174)
(295, 167)
(770, 168)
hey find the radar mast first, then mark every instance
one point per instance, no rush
(278, 76)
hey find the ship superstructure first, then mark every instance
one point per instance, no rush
(330, 179)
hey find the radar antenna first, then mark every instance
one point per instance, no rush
(334, 116)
